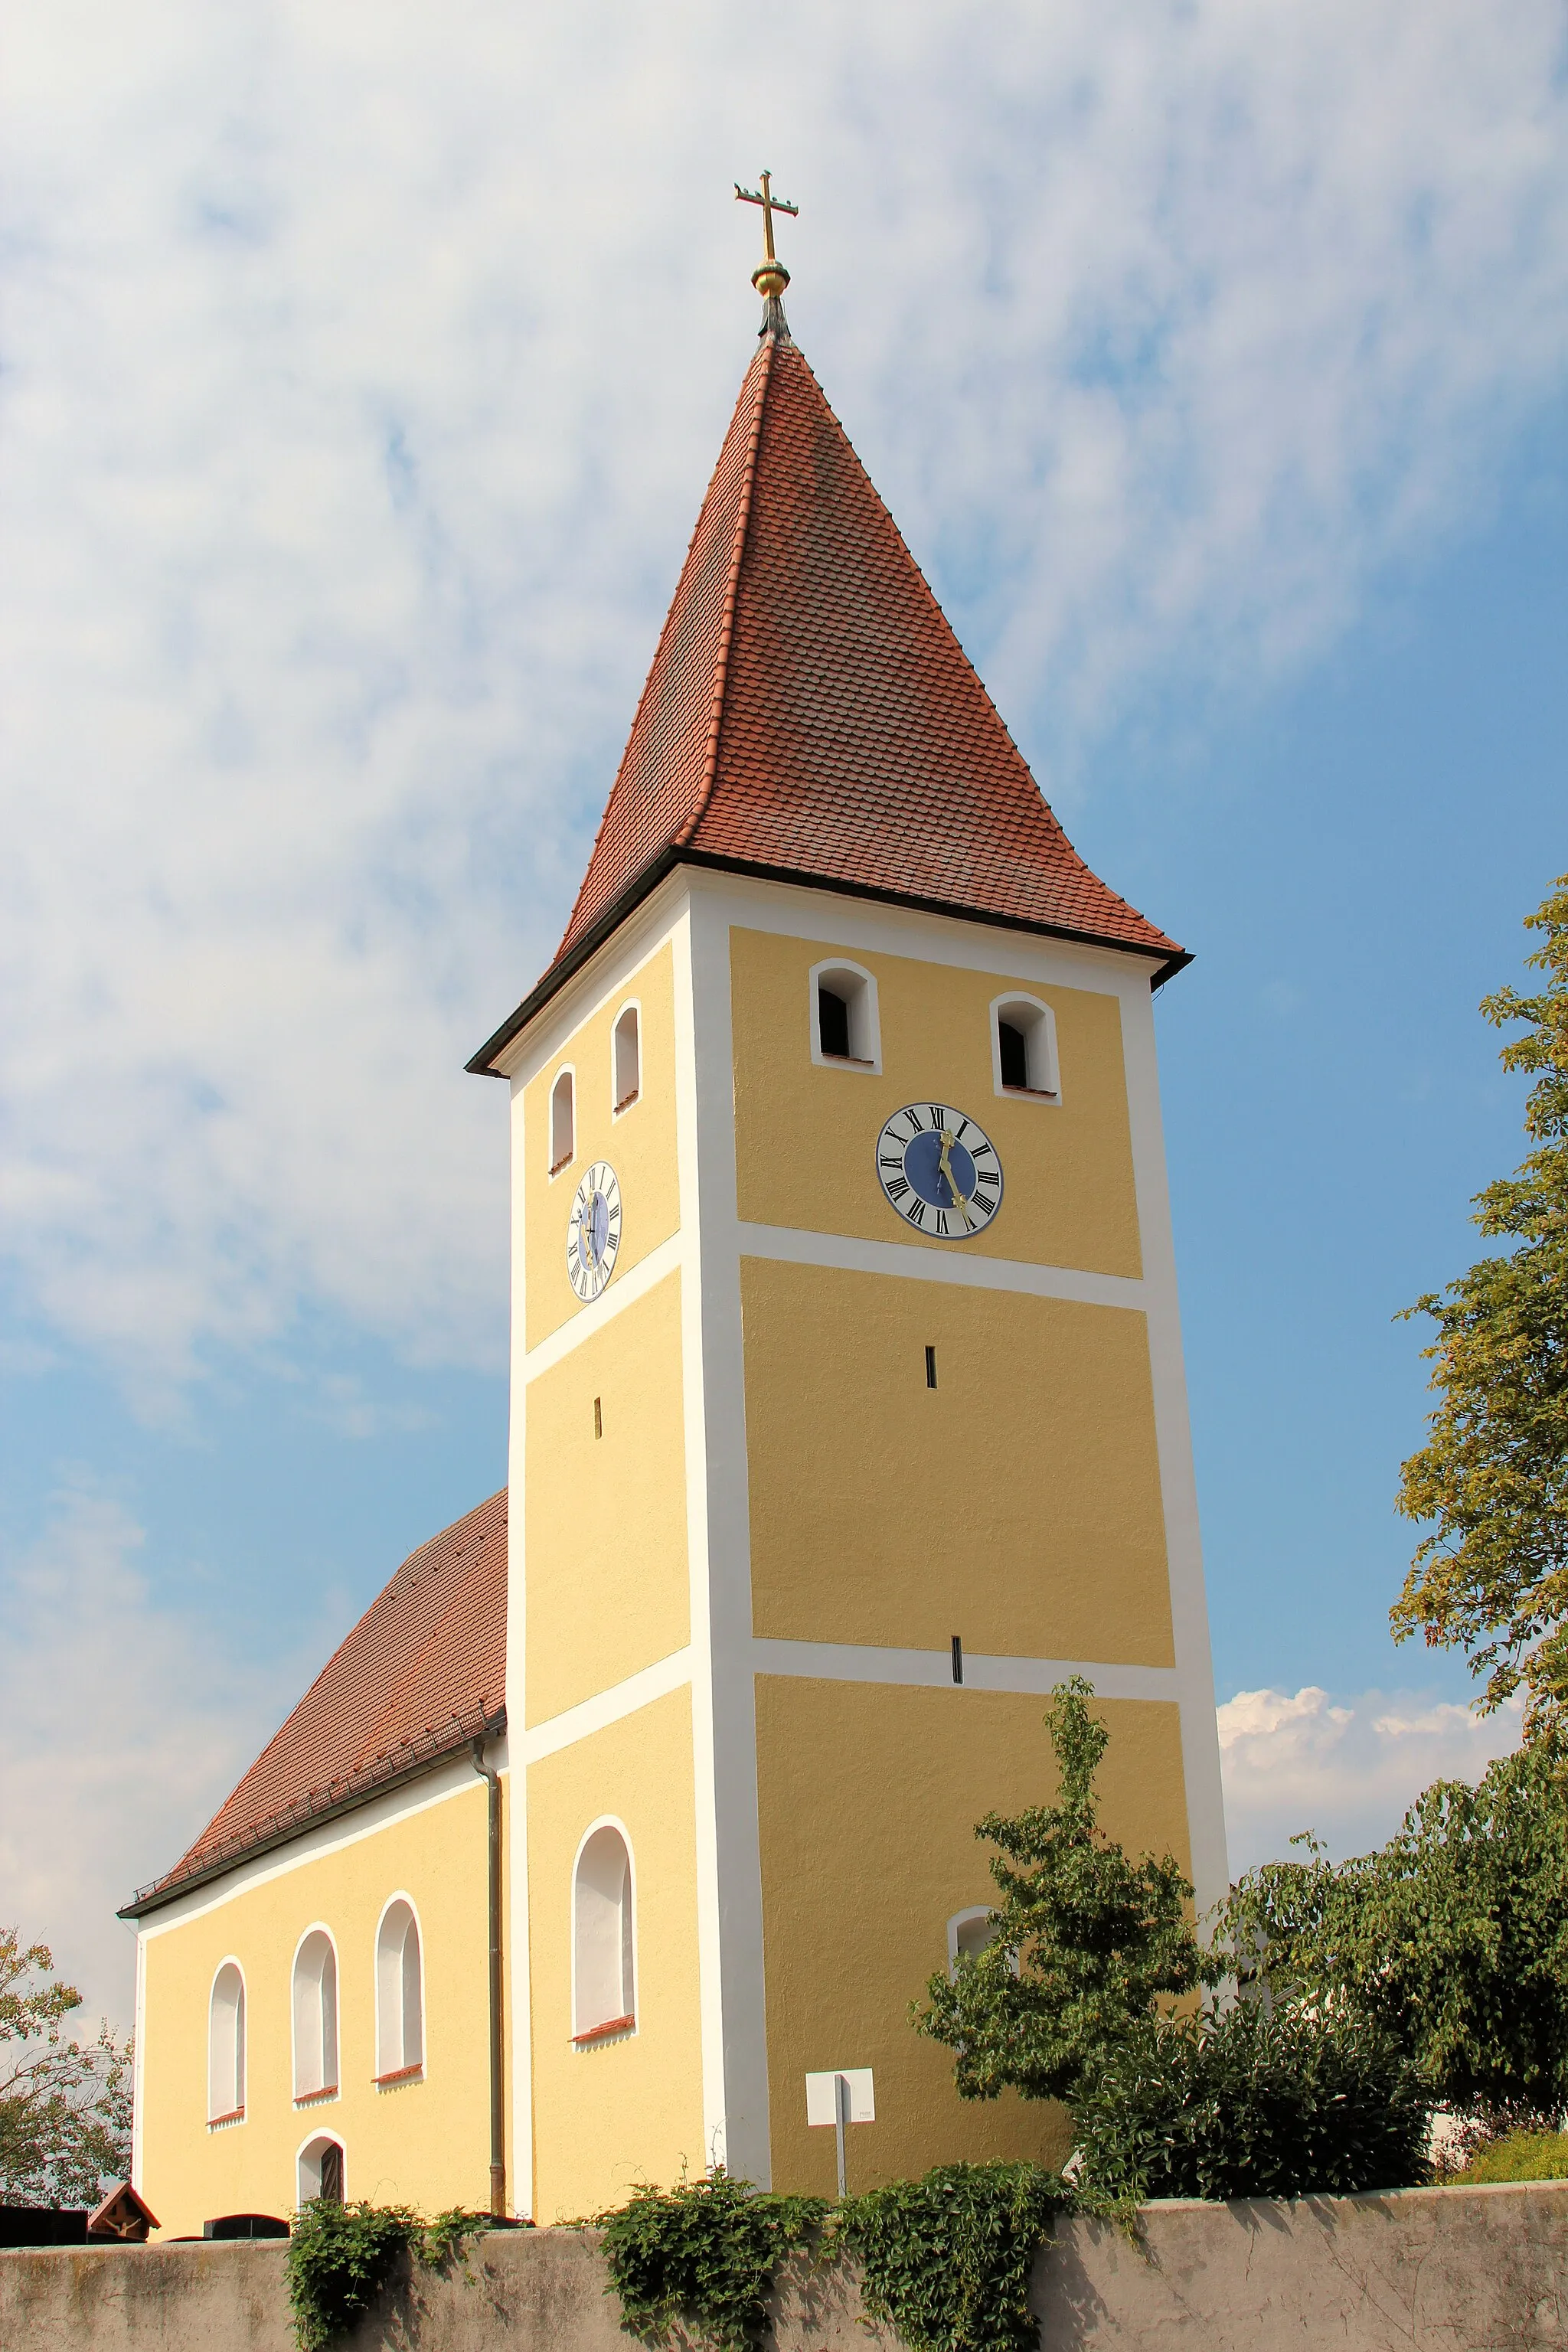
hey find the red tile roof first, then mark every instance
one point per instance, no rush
(423, 1671)
(810, 714)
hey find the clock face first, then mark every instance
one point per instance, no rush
(939, 1170)
(593, 1231)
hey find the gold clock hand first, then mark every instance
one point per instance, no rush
(945, 1168)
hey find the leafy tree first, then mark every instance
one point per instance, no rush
(1451, 1941)
(65, 2109)
(1085, 1943)
(1492, 1479)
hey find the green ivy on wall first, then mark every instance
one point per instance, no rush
(341, 2258)
(946, 2260)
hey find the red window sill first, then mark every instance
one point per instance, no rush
(627, 1100)
(1040, 1093)
(564, 1162)
(235, 2116)
(400, 2075)
(851, 1061)
(315, 2098)
(603, 2032)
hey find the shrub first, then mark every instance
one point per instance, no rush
(1520, 2156)
(342, 2256)
(1252, 2105)
(701, 2257)
(1452, 1938)
(947, 2259)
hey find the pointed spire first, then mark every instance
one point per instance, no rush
(810, 716)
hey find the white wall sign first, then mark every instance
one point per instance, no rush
(822, 2102)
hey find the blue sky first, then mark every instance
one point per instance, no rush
(1215, 364)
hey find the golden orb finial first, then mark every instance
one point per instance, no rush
(770, 277)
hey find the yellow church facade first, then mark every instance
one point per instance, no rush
(847, 1418)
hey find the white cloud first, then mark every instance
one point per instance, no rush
(363, 371)
(1346, 1771)
(123, 1725)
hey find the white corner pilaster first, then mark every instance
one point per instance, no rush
(734, 2020)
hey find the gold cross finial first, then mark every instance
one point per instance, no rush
(770, 278)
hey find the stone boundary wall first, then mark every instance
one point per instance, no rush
(1425, 2270)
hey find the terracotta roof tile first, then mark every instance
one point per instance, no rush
(421, 1672)
(810, 712)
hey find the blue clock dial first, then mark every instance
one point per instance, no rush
(939, 1170)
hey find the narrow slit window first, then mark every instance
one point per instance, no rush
(563, 1121)
(598, 1417)
(931, 1368)
(627, 1058)
(958, 1658)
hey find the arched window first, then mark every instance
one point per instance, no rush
(603, 1995)
(563, 1121)
(968, 1933)
(625, 1052)
(315, 2016)
(226, 2045)
(1023, 1048)
(844, 1030)
(318, 2169)
(399, 1992)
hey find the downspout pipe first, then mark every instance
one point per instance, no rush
(498, 2078)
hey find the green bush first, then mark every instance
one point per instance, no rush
(341, 2258)
(701, 2257)
(1520, 2156)
(1252, 2105)
(947, 2259)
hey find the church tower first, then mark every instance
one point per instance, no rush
(849, 1411)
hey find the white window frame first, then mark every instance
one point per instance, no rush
(404, 2074)
(310, 2140)
(226, 2118)
(618, 1109)
(864, 1019)
(579, 2030)
(553, 1167)
(1039, 1046)
(959, 1920)
(328, 2091)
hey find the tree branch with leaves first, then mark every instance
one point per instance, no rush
(1492, 1482)
(65, 2105)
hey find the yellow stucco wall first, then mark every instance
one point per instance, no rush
(628, 2110)
(1016, 1503)
(867, 1795)
(609, 1587)
(640, 1144)
(423, 2143)
(805, 1135)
